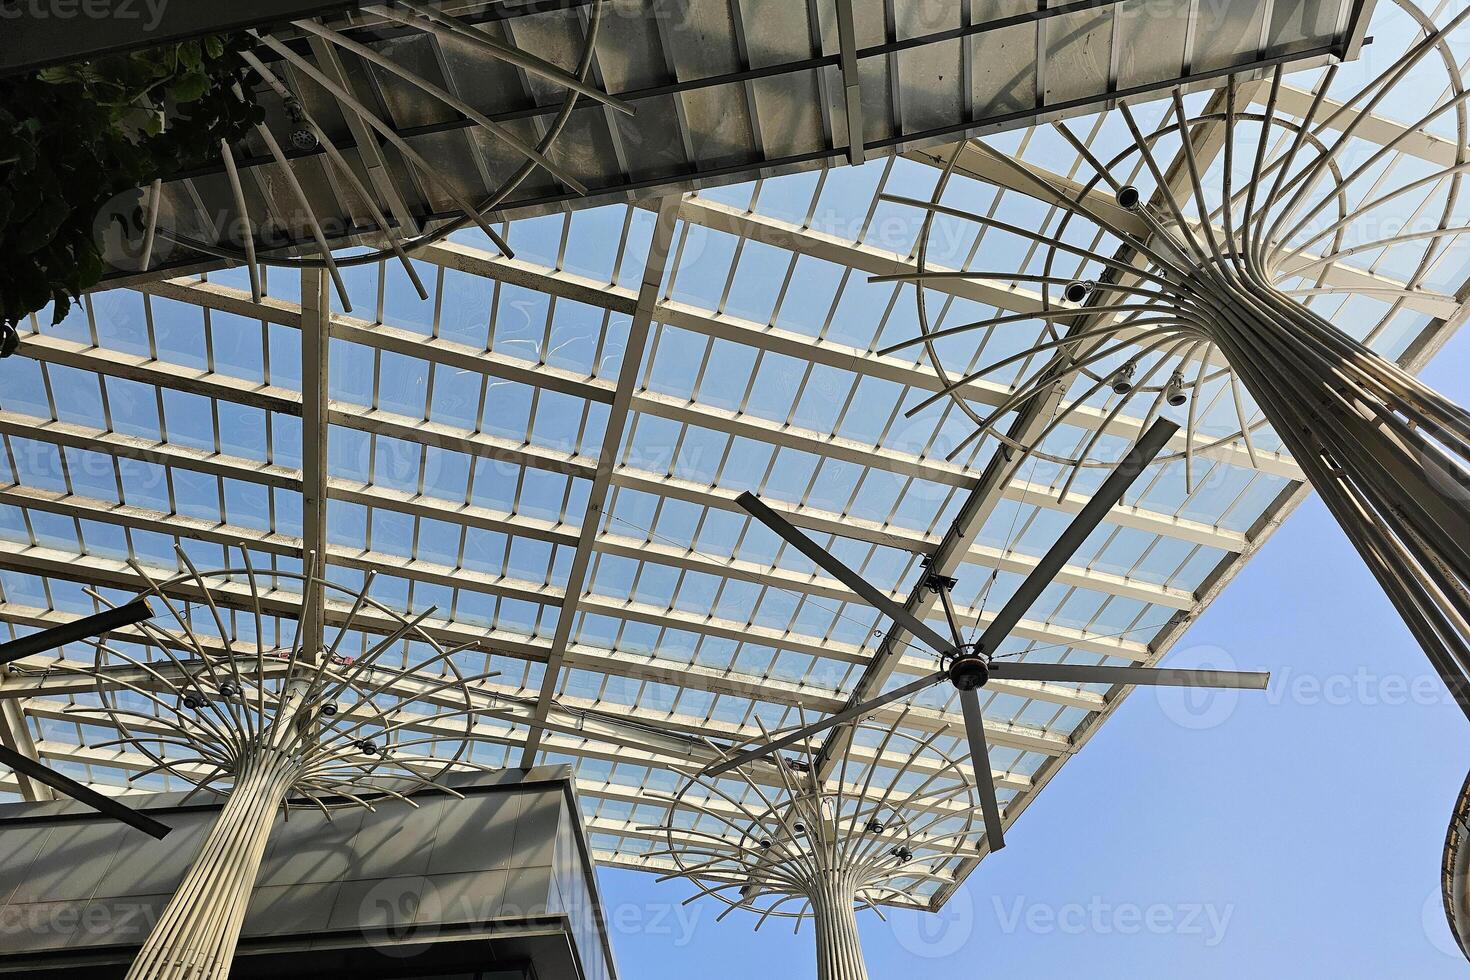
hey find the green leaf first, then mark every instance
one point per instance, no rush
(31, 287)
(90, 265)
(18, 149)
(74, 136)
(190, 87)
(60, 306)
(42, 226)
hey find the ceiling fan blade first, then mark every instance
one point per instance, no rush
(843, 574)
(1252, 680)
(67, 786)
(846, 714)
(1091, 515)
(78, 629)
(984, 779)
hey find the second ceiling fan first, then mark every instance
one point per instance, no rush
(969, 666)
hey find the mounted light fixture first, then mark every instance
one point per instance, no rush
(303, 137)
(1122, 380)
(803, 846)
(265, 745)
(1174, 391)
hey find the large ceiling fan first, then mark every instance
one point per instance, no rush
(969, 666)
(49, 639)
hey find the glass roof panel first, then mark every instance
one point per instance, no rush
(470, 435)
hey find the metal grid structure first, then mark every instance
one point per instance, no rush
(705, 92)
(1179, 303)
(812, 848)
(292, 723)
(558, 477)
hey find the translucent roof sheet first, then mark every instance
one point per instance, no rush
(465, 444)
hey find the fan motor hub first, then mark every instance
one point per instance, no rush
(968, 671)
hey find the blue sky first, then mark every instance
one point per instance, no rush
(1296, 833)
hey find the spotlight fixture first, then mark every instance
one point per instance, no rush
(1174, 391)
(799, 827)
(1123, 379)
(330, 709)
(765, 842)
(875, 826)
(1129, 198)
(303, 137)
(194, 702)
(267, 746)
(228, 690)
(1076, 292)
(902, 853)
(839, 867)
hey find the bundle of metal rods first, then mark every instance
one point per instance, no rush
(1205, 281)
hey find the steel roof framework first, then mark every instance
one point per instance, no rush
(683, 621)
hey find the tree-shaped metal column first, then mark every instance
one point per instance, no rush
(1162, 287)
(316, 87)
(271, 725)
(770, 837)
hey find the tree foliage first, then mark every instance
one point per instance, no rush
(73, 138)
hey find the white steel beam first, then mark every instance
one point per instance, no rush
(45, 677)
(238, 468)
(17, 736)
(132, 367)
(619, 412)
(911, 373)
(316, 314)
(852, 86)
(1375, 129)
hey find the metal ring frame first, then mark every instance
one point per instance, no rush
(817, 849)
(1210, 282)
(270, 726)
(236, 239)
